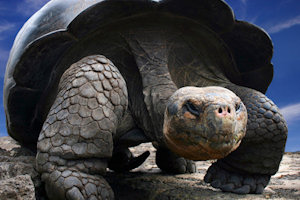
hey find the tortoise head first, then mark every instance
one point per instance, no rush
(204, 123)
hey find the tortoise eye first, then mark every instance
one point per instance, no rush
(238, 107)
(192, 108)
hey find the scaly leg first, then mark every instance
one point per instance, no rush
(76, 141)
(249, 168)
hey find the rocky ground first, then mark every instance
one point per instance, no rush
(19, 180)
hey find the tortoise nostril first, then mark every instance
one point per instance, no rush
(220, 110)
(223, 110)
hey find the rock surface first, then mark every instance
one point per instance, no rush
(19, 187)
(19, 180)
(18, 177)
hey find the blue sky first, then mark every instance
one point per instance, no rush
(280, 18)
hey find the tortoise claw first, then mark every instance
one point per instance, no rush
(134, 162)
(123, 160)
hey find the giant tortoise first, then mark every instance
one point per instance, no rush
(86, 80)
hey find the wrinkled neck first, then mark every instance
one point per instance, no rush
(152, 62)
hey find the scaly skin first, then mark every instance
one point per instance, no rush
(249, 168)
(77, 138)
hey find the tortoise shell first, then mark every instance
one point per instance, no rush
(34, 66)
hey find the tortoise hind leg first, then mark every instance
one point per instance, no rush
(169, 162)
(249, 168)
(76, 141)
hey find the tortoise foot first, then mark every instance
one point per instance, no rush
(72, 184)
(240, 183)
(169, 162)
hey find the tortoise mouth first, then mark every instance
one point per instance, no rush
(221, 139)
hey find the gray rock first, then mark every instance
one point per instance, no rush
(18, 177)
(19, 187)
(14, 167)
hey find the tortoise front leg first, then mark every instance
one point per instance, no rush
(76, 141)
(249, 168)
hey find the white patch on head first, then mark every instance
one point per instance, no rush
(209, 93)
